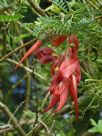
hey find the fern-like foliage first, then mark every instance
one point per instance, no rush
(93, 88)
(62, 5)
(10, 18)
(74, 18)
(49, 27)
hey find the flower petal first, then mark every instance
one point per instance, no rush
(63, 99)
(55, 98)
(46, 51)
(68, 67)
(56, 79)
(62, 87)
(73, 93)
(59, 40)
(30, 51)
(73, 39)
(78, 73)
(44, 55)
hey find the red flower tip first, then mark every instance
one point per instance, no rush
(54, 100)
(59, 40)
(63, 100)
(30, 51)
(73, 92)
(73, 39)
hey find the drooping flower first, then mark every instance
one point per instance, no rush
(45, 55)
(64, 83)
(66, 78)
(65, 70)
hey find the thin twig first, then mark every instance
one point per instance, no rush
(17, 49)
(14, 86)
(28, 79)
(45, 99)
(15, 112)
(37, 127)
(92, 4)
(4, 42)
(27, 69)
(71, 126)
(98, 17)
(100, 2)
(5, 128)
(14, 121)
(46, 128)
(2, 9)
(37, 8)
(27, 96)
(52, 126)
(36, 118)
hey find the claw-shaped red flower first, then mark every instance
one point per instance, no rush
(65, 70)
(66, 79)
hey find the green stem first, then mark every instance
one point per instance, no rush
(28, 79)
(92, 4)
(4, 42)
(17, 49)
(13, 87)
(14, 121)
(27, 69)
(38, 10)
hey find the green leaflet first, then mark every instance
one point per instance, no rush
(97, 127)
(62, 5)
(10, 18)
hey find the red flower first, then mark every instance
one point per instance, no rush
(66, 78)
(65, 81)
(58, 40)
(65, 70)
(45, 55)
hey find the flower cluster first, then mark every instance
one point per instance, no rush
(65, 70)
